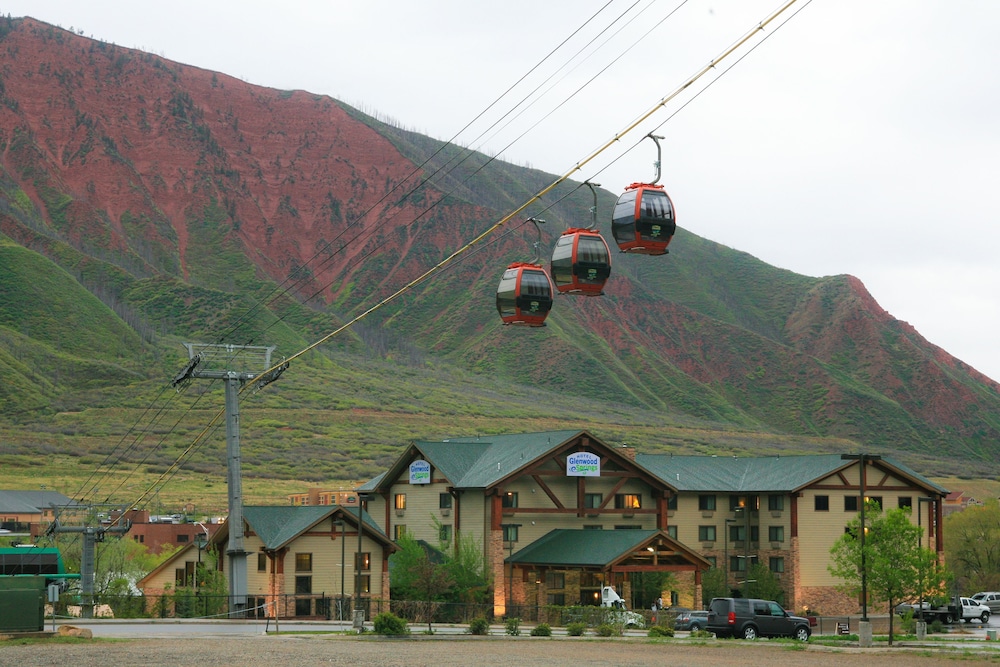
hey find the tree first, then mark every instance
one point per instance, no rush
(972, 546)
(764, 584)
(713, 585)
(896, 567)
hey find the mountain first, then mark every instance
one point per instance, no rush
(144, 203)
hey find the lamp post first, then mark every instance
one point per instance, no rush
(725, 546)
(359, 614)
(343, 558)
(920, 536)
(200, 541)
(863, 460)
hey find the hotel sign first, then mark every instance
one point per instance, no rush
(420, 472)
(583, 464)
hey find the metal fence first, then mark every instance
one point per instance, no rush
(182, 604)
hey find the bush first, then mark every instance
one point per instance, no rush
(661, 631)
(541, 630)
(479, 626)
(513, 627)
(935, 626)
(576, 629)
(701, 634)
(388, 623)
(607, 630)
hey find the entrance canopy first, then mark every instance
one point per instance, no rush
(610, 551)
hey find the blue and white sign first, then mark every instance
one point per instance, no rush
(420, 472)
(583, 464)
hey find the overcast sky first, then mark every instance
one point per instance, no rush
(861, 137)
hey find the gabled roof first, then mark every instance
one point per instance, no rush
(582, 548)
(478, 462)
(31, 502)
(565, 547)
(278, 525)
(759, 474)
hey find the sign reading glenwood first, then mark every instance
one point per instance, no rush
(420, 472)
(583, 464)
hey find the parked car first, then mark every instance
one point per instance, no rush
(989, 598)
(750, 618)
(691, 620)
(960, 609)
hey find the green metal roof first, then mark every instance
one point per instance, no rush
(755, 474)
(279, 525)
(582, 548)
(480, 461)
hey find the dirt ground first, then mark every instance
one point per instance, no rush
(463, 651)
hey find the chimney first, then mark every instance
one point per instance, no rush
(629, 452)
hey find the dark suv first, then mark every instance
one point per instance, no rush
(749, 618)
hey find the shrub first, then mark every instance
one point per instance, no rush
(513, 627)
(607, 630)
(936, 626)
(479, 626)
(661, 631)
(388, 623)
(701, 634)
(576, 629)
(541, 630)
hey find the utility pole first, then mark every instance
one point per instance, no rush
(91, 536)
(217, 362)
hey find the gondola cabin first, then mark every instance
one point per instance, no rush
(581, 262)
(643, 221)
(525, 295)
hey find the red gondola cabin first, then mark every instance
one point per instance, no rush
(524, 295)
(643, 221)
(581, 262)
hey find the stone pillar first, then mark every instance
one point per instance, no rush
(865, 634)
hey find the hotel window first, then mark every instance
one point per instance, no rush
(362, 561)
(556, 599)
(303, 562)
(706, 533)
(711, 560)
(444, 501)
(850, 503)
(706, 503)
(555, 580)
(628, 501)
(444, 533)
(593, 500)
(777, 564)
(399, 530)
(737, 533)
(672, 531)
(366, 583)
(303, 585)
(875, 500)
(401, 501)
(509, 499)
(905, 503)
(776, 533)
(672, 502)
(182, 538)
(775, 502)
(822, 503)
(737, 503)
(510, 533)
(262, 562)
(593, 527)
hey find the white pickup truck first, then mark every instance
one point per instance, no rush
(961, 609)
(631, 619)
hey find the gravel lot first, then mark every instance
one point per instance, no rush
(462, 651)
